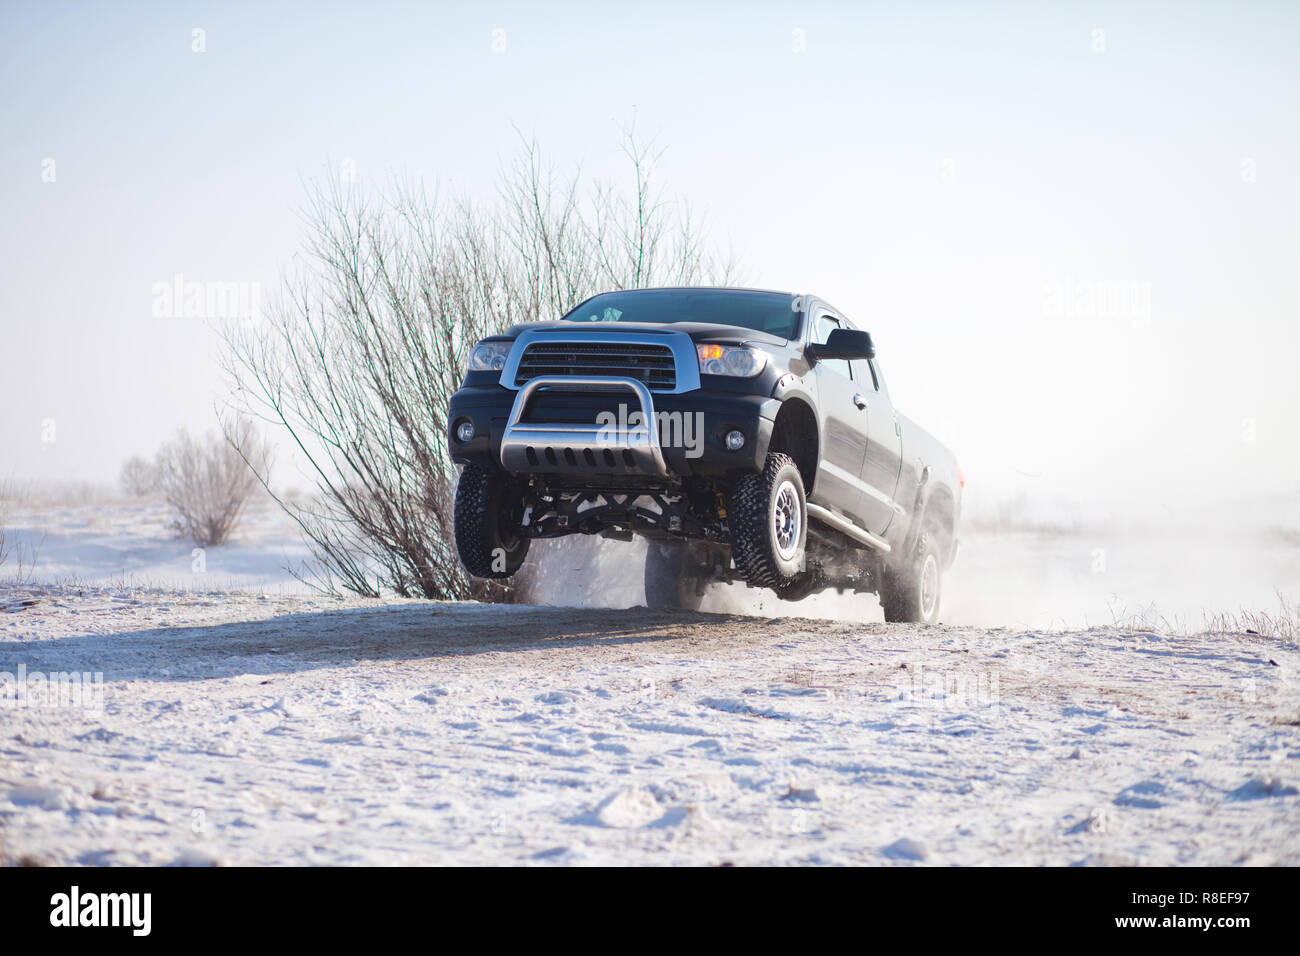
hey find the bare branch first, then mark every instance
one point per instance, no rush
(357, 359)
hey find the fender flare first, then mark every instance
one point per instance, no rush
(930, 496)
(798, 392)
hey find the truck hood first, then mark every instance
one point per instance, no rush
(698, 331)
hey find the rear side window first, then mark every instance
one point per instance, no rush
(826, 324)
(864, 373)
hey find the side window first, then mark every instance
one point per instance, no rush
(864, 373)
(875, 373)
(826, 324)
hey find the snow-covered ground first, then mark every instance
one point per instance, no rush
(126, 543)
(262, 730)
(243, 719)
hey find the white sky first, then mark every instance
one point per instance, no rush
(929, 168)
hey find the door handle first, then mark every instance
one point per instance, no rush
(859, 401)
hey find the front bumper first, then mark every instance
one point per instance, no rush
(564, 417)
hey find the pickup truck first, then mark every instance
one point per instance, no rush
(747, 434)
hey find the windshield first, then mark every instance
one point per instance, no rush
(773, 312)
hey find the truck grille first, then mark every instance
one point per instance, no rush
(651, 364)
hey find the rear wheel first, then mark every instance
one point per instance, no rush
(767, 518)
(910, 594)
(487, 516)
(673, 576)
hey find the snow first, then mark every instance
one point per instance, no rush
(130, 544)
(246, 728)
(226, 714)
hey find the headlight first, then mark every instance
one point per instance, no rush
(739, 361)
(489, 356)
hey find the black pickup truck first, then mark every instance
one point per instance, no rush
(747, 434)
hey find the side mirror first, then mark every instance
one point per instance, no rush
(845, 344)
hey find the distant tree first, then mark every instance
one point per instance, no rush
(209, 480)
(139, 477)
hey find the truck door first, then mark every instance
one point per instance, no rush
(839, 482)
(884, 457)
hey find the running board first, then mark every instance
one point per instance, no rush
(846, 527)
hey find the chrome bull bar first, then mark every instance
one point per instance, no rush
(563, 446)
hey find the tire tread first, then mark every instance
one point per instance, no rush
(752, 547)
(475, 529)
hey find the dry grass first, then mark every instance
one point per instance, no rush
(47, 494)
(5, 547)
(1282, 624)
(1146, 617)
(19, 556)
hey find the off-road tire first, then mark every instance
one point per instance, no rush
(485, 535)
(673, 577)
(913, 592)
(752, 524)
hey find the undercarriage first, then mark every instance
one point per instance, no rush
(689, 516)
(554, 508)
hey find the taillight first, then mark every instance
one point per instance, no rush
(961, 479)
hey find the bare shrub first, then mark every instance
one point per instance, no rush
(138, 478)
(357, 360)
(209, 480)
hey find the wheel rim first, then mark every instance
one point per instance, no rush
(929, 586)
(787, 520)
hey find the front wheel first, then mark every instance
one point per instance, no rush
(910, 594)
(486, 524)
(767, 519)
